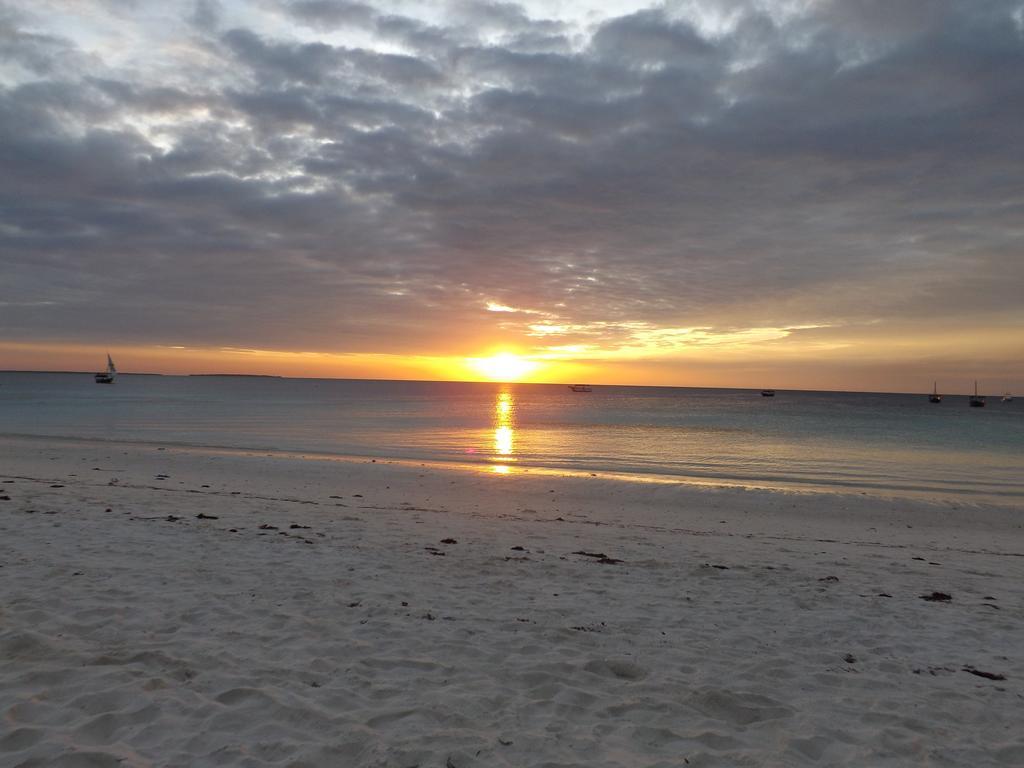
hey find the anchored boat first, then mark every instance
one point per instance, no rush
(977, 401)
(107, 376)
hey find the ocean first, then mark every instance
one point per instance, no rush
(880, 444)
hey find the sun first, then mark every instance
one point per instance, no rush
(503, 366)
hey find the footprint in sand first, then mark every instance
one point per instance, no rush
(618, 669)
(738, 708)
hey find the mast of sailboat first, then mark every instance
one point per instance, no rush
(976, 400)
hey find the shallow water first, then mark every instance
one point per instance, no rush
(874, 443)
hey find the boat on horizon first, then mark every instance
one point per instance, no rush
(935, 397)
(767, 393)
(107, 376)
(580, 388)
(1007, 398)
(977, 401)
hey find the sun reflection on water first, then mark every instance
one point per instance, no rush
(503, 441)
(504, 429)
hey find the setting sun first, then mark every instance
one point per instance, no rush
(503, 367)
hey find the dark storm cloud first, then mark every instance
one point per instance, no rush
(845, 165)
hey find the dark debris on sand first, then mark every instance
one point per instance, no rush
(981, 673)
(600, 557)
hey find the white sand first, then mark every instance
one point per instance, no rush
(127, 639)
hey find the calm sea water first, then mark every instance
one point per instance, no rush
(876, 443)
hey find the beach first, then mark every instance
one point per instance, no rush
(506, 384)
(178, 606)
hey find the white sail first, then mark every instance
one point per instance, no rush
(107, 376)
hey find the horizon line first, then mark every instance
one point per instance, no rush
(486, 381)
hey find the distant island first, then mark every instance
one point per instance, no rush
(239, 375)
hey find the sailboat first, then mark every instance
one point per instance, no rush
(580, 388)
(935, 397)
(977, 401)
(107, 376)
(1007, 398)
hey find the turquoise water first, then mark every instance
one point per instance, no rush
(890, 444)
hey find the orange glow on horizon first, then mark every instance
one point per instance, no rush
(503, 366)
(179, 360)
(865, 359)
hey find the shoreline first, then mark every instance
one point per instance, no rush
(167, 607)
(962, 498)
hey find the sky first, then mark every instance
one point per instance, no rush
(813, 194)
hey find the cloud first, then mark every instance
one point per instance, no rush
(206, 14)
(39, 53)
(331, 14)
(376, 173)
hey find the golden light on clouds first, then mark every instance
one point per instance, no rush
(820, 356)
